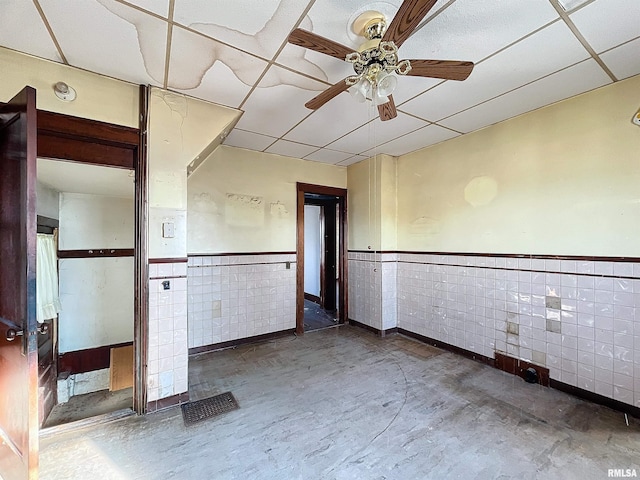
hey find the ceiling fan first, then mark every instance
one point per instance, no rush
(376, 59)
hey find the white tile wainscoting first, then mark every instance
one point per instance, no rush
(167, 366)
(579, 318)
(236, 296)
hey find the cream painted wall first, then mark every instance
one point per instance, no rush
(564, 180)
(99, 98)
(95, 221)
(245, 201)
(47, 203)
(180, 128)
(372, 202)
(96, 293)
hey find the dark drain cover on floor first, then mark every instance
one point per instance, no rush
(194, 412)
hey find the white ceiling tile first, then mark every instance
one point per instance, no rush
(207, 69)
(334, 119)
(256, 27)
(470, 30)
(330, 18)
(333, 18)
(352, 160)
(377, 132)
(572, 81)
(325, 155)
(248, 140)
(608, 23)
(291, 149)
(110, 38)
(159, 7)
(409, 87)
(568, 5)
(519, 64)
(624, 61)
(274, 110)
(35, 40)
(323, 67)
(411, 142)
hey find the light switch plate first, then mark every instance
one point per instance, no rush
(168, 230)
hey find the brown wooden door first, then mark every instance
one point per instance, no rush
(18, 336)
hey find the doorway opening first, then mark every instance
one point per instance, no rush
(86, 218)
(321, 275)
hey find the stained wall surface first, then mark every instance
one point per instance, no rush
(561, 180)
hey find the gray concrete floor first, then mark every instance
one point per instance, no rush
(80, 407)
(341, 403)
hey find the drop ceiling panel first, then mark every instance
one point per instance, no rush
(325, 155)
(455, 33)
(275, 110)
(250, 140)
(335, 119)
(411, 142)
(34, 40)
(256, 27)
(316, 65)
(410, 87)
(608, 23)
(624, 61)
(160, 7)
(572, 81)
(127, 39)
(291, 149)
(569, 5)
(376, 132)
(524, 62)
(110, 38)
(207, 69)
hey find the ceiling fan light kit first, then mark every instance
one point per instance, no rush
(376, 63)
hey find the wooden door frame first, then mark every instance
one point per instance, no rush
(76, 139)
(342, 301)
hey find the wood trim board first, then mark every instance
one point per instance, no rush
(87, 360)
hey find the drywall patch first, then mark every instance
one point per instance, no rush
(481, 191)
(278, 210)
(244, 210)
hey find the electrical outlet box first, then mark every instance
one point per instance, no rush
(166, 285)
(168, 230)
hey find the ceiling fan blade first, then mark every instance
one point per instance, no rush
(306, 39)
(328, 94)
(387, 111)
(409, 15)
(446, 69)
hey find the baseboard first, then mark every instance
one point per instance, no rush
(241, 341)
(516, 367)
(312, 298)
(380, 333)
(595, 398)
(161, 404)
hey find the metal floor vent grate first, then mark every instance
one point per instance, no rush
(194, 412)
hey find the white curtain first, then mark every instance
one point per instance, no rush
(48, 303)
